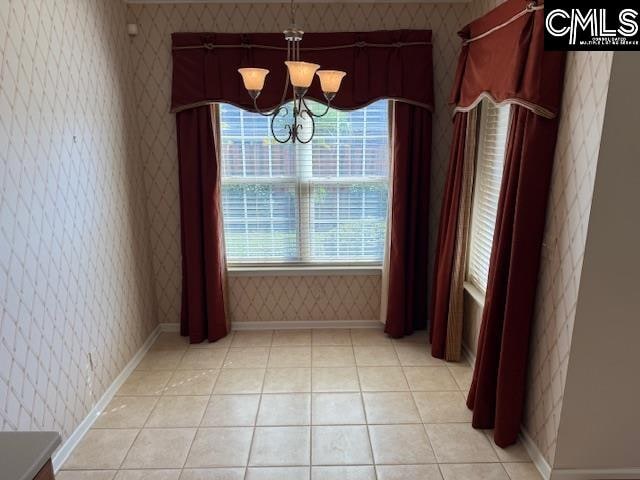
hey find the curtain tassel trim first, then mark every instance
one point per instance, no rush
(537, 109)
(530, 8)
(426, 106)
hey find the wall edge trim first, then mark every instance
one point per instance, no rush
(468, 355)
(169, 327)
(64, 451)
(599, 473)
(535, 454)
(312, 324)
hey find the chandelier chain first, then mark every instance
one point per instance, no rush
(293, 13)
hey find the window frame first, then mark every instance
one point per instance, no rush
(477, 291)
(304, 185)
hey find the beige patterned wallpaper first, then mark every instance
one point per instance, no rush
(300, 298)
(585, 93)
(152, 66)
(586, 83)
(74, 268)
(478, 8)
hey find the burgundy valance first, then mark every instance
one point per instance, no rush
(493, 64)
(383, 64)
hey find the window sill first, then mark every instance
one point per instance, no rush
(476, 294)
(303, 270)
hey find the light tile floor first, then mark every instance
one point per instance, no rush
(293, 405)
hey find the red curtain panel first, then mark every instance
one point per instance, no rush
(203, 261)
(503, 58)
(408, 258)
(498, 387)
(448, 227)
(386, 64)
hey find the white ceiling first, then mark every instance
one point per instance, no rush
(297, 1)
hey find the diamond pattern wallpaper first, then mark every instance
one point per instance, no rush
(585, 94)
(75, 274)
(152, 68)
(301, 298)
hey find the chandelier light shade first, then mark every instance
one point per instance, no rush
(301, 73)
(253, 78)
(300, 76)
(330, 80)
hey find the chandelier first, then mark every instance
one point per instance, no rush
(300, 76)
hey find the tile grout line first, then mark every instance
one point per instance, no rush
(124, 458)
(311, 409)
(364, 410)
(504, 469)
(424, 427)
(375, 424)
(159, 395)
(224, 467)
(193, 440)
(255, 422)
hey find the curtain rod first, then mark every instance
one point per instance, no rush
(531, 7)
(213, 46)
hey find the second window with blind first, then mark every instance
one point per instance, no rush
(324, 202)
(490, 153)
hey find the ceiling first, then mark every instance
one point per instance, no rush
(296, 1)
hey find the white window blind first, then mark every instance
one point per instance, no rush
(494, 124)
(323, 202)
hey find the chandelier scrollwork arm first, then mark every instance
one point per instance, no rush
(300, 126)
(254, 94)
(267, 113)
(300, 75)
(316, 115)
(290, 131)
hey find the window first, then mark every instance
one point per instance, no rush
(492, 139)
(324, 202)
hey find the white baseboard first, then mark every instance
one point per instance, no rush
(536, 455)
(547, 473)
(169, 327)
(632, 473)
(63, 452)
(302, 324)
(306, 324)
